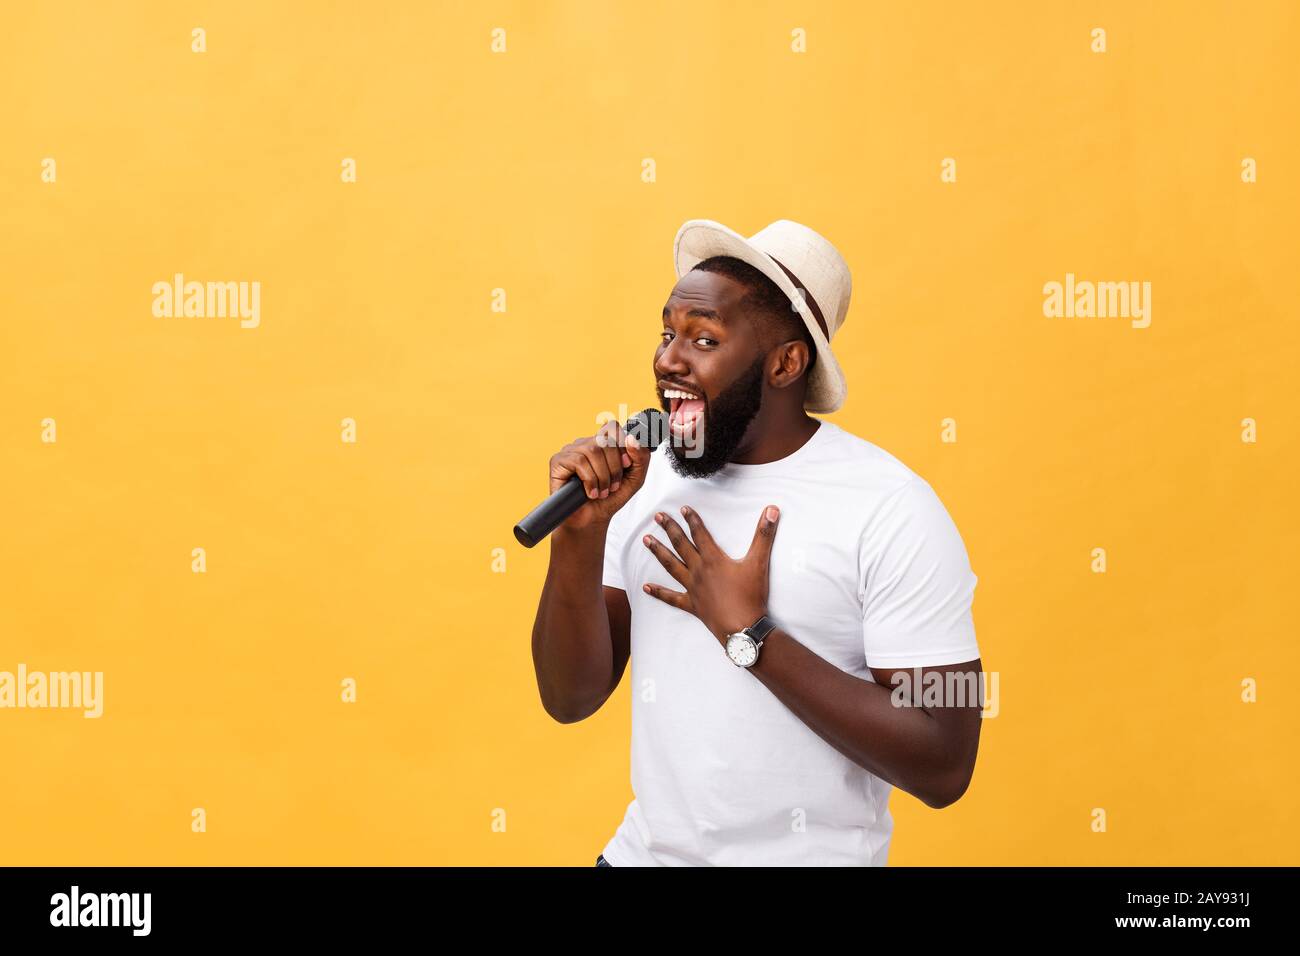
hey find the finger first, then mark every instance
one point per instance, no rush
(635, 455)
(612, 459)
(583, 469)
(596, 458)
(671, 564)
(678, 537)
(699, 534)
(612, 437)
(616, 438)
(761, 547)
(636, 451)
(677, 599)
(607, 440)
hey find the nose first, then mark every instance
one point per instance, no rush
(670, 363)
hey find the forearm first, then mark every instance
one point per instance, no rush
(572, 651)
(903, 745)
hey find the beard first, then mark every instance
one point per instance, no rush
(725, 421)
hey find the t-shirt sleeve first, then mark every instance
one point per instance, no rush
(614, 535)
(917, 585)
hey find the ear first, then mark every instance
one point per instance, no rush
(792, 360)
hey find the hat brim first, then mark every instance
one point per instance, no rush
(699, 239)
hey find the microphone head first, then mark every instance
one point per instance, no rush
(650, 427)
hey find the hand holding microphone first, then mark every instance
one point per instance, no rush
(592, 477)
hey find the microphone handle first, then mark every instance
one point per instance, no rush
(649, 427)
(552, 512)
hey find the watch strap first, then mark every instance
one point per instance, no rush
(761, 628)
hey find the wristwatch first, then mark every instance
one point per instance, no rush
(742, 647)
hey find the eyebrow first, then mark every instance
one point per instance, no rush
(699, 314)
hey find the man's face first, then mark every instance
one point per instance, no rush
(711, 349)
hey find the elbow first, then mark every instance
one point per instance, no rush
(948, 790)
(565, 716)
(568, 712)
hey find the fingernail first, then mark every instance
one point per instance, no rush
(772, 513)
(686, 509)
(604, 492)
(627, 460)
(591, 492)
(646, 540)
(614, 486)
(632, 442)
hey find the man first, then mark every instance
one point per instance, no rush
(769, 575)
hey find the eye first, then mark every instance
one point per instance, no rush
(711, 342)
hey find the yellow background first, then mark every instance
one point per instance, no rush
(522, 171)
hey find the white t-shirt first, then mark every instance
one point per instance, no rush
(867, 568)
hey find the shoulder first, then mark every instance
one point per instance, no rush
(875, 472)
(894, 500)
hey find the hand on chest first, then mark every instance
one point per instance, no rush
(726, 562)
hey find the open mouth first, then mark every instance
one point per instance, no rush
(686, 412)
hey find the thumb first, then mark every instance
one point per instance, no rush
(636, 459)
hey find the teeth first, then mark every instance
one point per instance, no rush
(678, 393)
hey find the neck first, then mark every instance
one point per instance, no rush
(776, 435)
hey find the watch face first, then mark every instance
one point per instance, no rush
(741, 649)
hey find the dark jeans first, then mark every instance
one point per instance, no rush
(601, 861)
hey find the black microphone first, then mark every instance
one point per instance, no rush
(649, 427)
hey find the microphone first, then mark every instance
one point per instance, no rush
(650, 427)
